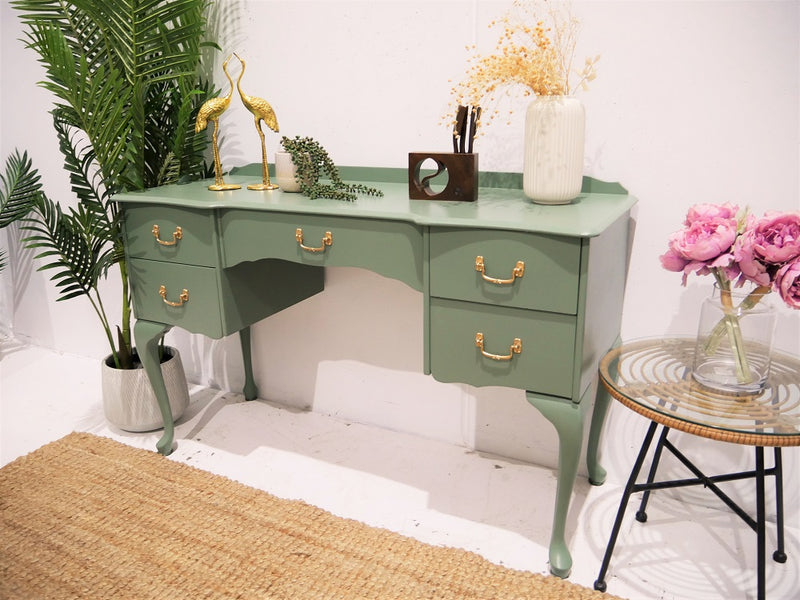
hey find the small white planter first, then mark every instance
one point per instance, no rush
(554, 147)
(285, 172)
(128, 398)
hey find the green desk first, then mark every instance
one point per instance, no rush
(515, 294)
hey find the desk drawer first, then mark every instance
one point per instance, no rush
(544, 363)
(550, 276)
(391, 248)
(186, 235)
(197, 311)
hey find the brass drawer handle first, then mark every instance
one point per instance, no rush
(327, 240)
(519, 271)
(176, 235)
(184, 297)
(515, 348)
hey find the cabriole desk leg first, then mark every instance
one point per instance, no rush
(147, 336)
(567, 417)
(250, 389)
(597, 474)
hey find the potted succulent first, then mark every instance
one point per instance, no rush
(126, 78)
(311, 162)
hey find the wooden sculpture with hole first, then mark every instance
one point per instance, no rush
(262, 111)
(211, 110)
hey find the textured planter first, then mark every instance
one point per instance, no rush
(128, 398)
(285, 171)
(554, 147)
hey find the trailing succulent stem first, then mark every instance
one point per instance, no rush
(312, 162)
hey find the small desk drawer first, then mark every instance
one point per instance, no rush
(196, 309)
(548, 279)
(547, 344)
(170, 233)
(391, 248)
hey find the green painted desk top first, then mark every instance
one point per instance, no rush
(503, 206)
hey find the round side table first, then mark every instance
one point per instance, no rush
(653, 378)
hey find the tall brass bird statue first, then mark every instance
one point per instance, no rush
(211, 110)
(262, 111)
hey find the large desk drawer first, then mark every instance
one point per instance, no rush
(183, 235)
(544, 363)
(197, 311)
(549, 279)
(391, 248)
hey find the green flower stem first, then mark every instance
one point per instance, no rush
(729, 324)
(732, 326)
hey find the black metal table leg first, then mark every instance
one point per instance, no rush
(600, 582)
(641, 514)
(780, 554)
(760, 518)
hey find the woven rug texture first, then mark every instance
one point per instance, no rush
(89, 517)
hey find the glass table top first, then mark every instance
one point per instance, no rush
(653, 378)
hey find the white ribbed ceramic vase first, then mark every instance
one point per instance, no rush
(128, 398)
(554, 145)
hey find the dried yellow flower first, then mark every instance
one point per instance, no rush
(537, 58)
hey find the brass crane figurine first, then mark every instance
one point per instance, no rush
(211, 110)
(262, 111)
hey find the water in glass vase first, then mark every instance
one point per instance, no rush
(734, 341)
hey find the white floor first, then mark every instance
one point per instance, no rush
(438, 493)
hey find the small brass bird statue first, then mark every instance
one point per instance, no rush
(262, 111)
(211, 110)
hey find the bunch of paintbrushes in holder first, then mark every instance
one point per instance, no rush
(465, 129)
(461, 165)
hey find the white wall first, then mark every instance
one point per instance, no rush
(695, 101)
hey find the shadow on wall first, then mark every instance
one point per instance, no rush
(353, 351)
(18, 271)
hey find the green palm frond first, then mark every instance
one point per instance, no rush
(66, 246)
(19, 188)
(79, 159)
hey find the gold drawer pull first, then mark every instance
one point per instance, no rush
(184, 297)
(515, 348)
(519, 271)
(176, 235)
(327, 240)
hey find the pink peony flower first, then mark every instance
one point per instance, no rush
(787, 283)
(705, 243)
(710, 211)
(766, 244)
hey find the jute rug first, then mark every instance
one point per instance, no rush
(89, 517)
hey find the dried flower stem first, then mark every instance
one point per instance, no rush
(536, 58)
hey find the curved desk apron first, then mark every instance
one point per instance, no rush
(515, 294)
(653, 378)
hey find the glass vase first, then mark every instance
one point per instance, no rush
(734, 341)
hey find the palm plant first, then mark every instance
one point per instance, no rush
(126, 77)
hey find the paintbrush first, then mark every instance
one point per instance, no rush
(459, 129)
(474, 119)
